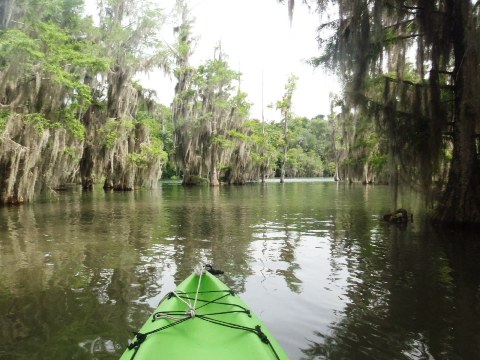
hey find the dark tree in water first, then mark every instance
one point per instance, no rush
(427, 54)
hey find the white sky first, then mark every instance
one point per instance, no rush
(257, 38)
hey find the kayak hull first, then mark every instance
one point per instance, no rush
(203, 319)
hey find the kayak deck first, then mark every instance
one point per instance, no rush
(203, 319)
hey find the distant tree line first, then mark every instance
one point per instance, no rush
(72, 111)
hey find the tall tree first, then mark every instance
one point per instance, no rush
(206, 107)
(183, 105)
(215, 87)
(130, 34)
(46, 52)
(285, 107)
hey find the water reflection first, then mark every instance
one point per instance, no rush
(401, 300)
(313, 259)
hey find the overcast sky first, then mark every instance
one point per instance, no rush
(257, 37)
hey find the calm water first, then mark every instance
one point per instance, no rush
(313, 259)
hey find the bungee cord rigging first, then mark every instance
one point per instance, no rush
(195, 306)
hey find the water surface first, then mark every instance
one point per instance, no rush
(313, 259)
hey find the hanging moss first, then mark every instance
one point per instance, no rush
(35, 160)
(59, 126)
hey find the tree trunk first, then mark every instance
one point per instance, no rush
(6, 10)
(285, 149)
(213, 168)
(460, 204)
(86, 167)
(187, 178)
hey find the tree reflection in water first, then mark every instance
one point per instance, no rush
(403, 296)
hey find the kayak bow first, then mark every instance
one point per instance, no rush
(203, 319)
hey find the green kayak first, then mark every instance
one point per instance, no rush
(203, 319)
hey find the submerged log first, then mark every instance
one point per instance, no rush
(399, 216)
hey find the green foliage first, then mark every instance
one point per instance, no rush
(310, 135)
(54, 51)
(150, 121)
(378, 162)
(64, 12)
(157, 119)
(285, 104)
(262, 140)
(72, 124)
(115, 129)
(208, 110)
(221, 141)
(149, 153)
(308, 144)
(4, 116)
(238, 135)
(389, 36)
(240, 104)
(72, 153)
(329, 169)
(19, 49)
(62, 52)
(110, 132)
(222, 103)
(303, 164)
(214, 75)
(368, 141)
(40, 122)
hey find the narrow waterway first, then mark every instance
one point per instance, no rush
(312, 258)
